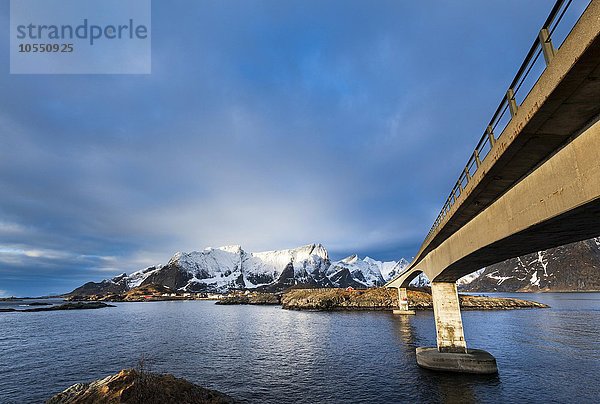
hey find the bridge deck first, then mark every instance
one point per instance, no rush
(564, 100)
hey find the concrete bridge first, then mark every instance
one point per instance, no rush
(530, 185)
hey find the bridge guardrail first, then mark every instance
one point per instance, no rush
(542, 45)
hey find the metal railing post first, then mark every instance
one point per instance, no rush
(490, 133)
(546, 44)
(477, 159)
(512, 103)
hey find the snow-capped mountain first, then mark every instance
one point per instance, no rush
(366, 272)
(467, 279)
(118, 284)
(230, 267)
(390, 269)
(571, 267)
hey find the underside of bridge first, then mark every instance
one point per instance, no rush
(556, 204)
(538, 188)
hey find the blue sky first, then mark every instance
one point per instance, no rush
(269, 124)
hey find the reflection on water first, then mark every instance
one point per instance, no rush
(405, 329)
(270, 355)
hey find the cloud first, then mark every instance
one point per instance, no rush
(268, 124)
(24, 256)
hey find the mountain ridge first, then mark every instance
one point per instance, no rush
(568, 268)
(231, 267)
(572, 267)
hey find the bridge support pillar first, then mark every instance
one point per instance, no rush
(448, 322)
(403, 302)
(451, 353)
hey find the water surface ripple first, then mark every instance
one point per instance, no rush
(269, 355)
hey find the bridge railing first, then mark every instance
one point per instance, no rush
(521, 84)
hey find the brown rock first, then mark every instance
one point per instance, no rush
(131, 387)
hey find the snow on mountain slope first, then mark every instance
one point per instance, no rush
(367, 272)
(390, 269)
(571, 267)
(465, 280)
(118, 284)
(210, 262)
(136, 278)
(422, 281)
(308, 262)
(230, 267)
(393, 270)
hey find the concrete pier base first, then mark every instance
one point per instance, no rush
(403, 303)
(474, 361)
(403, 312)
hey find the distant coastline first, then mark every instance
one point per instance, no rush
(51, 307)
(316, 299)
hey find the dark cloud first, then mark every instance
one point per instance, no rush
(268, 124)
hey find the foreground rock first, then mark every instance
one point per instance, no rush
(66, 306)
(387, 299)
(131, 386)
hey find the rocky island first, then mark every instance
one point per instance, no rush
(251, 298)
(66, 306)
(387, 299)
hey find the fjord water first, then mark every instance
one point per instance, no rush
(264, 354)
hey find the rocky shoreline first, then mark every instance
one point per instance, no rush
(387, 299)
